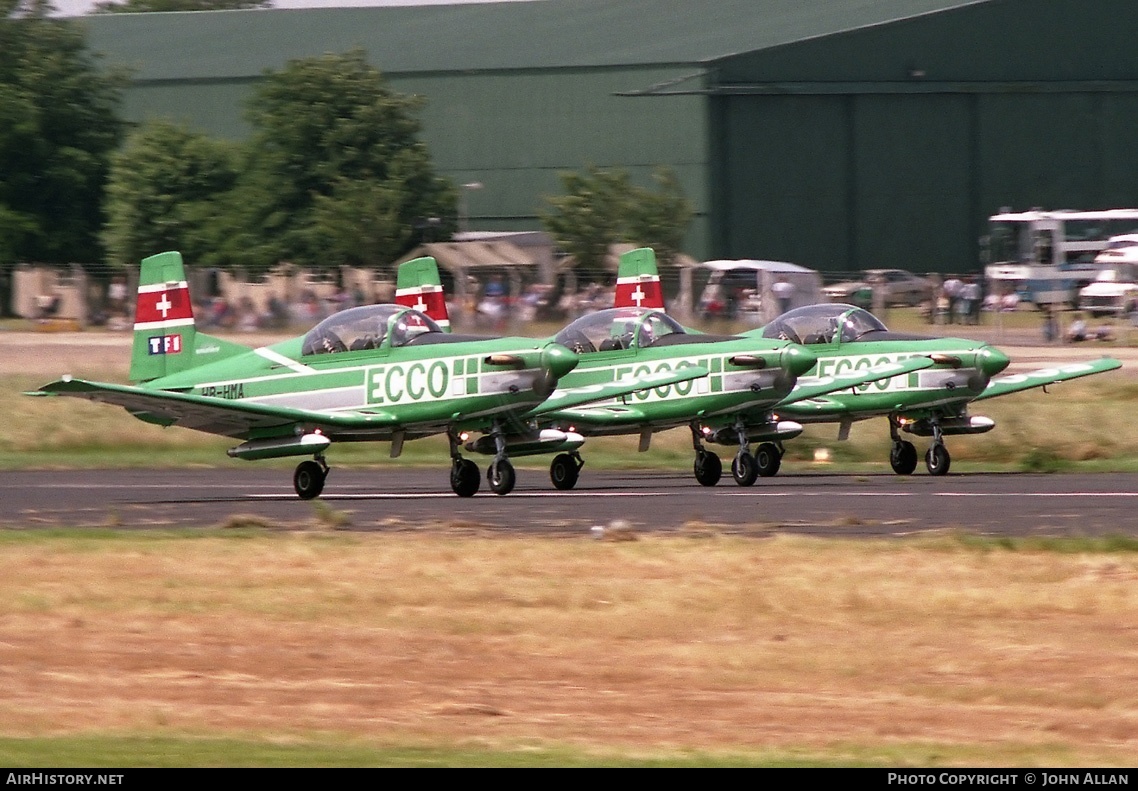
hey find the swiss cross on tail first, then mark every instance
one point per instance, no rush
(419, 286)
(638, 281)
(163, 305)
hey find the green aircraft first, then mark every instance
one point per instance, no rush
(932, 403)
(371, 373)
(928, 402)
(733, 405)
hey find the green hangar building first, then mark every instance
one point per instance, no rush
(837, 134)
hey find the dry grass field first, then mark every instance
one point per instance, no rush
(788, 650)
(932, 652)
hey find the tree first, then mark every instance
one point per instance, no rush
(602, 207)
(337, 173)
(166, 187)
(58, 126)
(145, 6)
(659, 218)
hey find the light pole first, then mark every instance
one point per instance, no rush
(463, 204)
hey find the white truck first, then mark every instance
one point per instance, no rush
(1114, 291)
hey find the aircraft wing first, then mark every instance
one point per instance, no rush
(1046, 376)
(228, 417)
(831, 384)
(615, 415)
(587, 394)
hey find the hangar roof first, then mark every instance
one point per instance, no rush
(481, 36)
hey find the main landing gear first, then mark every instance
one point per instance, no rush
(565, 469)
(768, 457)
(708, 468)
(308, 480)
(903, 454)
(464, 478)
(746, 467)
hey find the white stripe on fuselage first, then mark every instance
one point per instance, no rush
(280, 359)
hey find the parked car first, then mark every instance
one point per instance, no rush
(901, 288)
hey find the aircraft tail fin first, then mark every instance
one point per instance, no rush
(638, 281)
(166, 340)
(419, 286)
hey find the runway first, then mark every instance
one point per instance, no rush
(388, 499)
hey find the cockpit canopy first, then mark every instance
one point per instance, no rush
(823, 323)
(617, 328)
(357, 329)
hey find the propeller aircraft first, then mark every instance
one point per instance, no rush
(732, 405)
(928, 402)
(371, 373)
(932, 403)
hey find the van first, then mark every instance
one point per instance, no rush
(1114, 291)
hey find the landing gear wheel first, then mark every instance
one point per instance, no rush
(937, 460)
(744, 469)
(308, 480)
(768, 458)
(903, 457)
(501, 476)
(708, 468)
(564, 471)
(464, 477)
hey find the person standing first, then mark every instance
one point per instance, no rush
(783, 291)
(952, 287)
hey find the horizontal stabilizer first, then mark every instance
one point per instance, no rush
(1046, 376)
(229, 417)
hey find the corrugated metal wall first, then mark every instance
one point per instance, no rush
(890, 147)
(515, 133)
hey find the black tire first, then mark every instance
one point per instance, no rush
(501, 477)
(903, 457)
(464, 477)
(937, 460)
(308, 480)
(708, 468)
(768, 458)
(564, 471)
(744, 469)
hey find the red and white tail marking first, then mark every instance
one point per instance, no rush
(429, 300)
(163, 305)
(639, 291)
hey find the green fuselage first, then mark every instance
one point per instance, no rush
(728, 389)
(427, 388)
(945, 388)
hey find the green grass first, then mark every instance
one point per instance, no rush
(105, 751)
(108, 751)
(128, 752)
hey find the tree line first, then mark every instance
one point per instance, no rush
(334, 173)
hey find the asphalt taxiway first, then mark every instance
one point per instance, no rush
(998, 504)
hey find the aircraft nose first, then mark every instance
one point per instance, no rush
(798, 359)
(991, 360)
(558, 360)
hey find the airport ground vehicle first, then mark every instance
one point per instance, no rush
(1046, 257)
(1114, 291)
